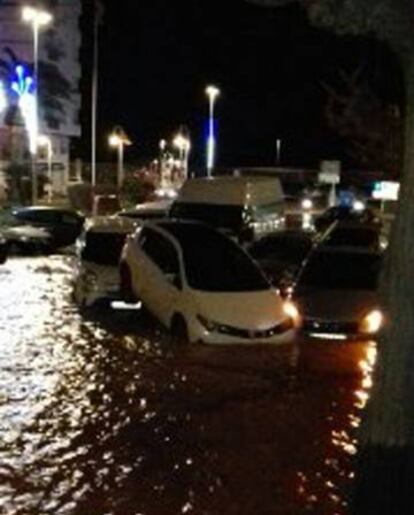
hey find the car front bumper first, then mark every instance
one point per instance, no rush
(198, 333)
(337, 331)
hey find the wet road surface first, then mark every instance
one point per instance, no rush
(100, 416)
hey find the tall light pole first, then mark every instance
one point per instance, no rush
(45, 141)
(118, 139)
(37, 18)
(3, 97)
(212, 92)
(98, 15)
(278, 150)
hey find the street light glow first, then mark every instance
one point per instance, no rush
(35, 16)
(118, 139)
(182, 143)
(212, 92)
(114, 140)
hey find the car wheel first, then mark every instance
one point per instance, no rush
(179, 330)
(126, 290)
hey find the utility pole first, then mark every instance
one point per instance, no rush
(97, 20)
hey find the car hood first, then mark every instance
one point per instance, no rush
(339, 305)
(244, 310)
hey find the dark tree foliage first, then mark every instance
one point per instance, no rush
(372, 127)
(385, 468)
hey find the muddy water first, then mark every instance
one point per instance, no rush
(99, 416)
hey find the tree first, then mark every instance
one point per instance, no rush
(372, 127)
(385, 469)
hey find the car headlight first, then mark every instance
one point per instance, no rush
(307, 204)
(291, 310)
(209, 325)
(372, 322)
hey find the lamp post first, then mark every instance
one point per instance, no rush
(184, 145)
(278, 151)
(45, 141)
(3, 97)
(118, 139)
(37, 18)
(212, 92)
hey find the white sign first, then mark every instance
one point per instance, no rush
(330, 172)
(386, 190)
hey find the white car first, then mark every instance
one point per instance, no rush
(203, 286)
(98, 252)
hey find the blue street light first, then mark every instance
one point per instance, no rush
(212, 92)
(23, 86)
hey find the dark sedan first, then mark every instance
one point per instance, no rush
(63, 225)
(336, 292)
(344, 214)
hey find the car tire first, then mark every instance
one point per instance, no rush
(179, 330)
(127, 293)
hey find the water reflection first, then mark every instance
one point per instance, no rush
(99, 415)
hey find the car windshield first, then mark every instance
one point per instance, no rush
(103, 248)
(285, 248)
(215, 263)
(341, 271)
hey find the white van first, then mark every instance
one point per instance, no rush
(98, 252)
(247, 207)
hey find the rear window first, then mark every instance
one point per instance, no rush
(103, 248)
(213, 214)
(281, 248)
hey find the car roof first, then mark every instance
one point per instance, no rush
(110, 224)
(49, 209)
(184, 231)
(148, 208)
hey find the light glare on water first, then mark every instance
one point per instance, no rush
(99, 415)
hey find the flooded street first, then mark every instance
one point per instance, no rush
(100, 416)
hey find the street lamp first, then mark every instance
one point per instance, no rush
(45, 141)
(37, 18)
(184, 145)
(118, 139)
(212, 92)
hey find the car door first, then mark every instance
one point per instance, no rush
(162, 283)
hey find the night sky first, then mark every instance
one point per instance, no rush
(156, 56)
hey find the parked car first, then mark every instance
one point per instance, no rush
(27, 240)
(147, 211)
(336, 293)
(3, 250)
(203, 286)
(63, 225)
(356, 235)
(345, 214)
(281, 254)
(105, 205)
(244, 207)
(98, 253)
